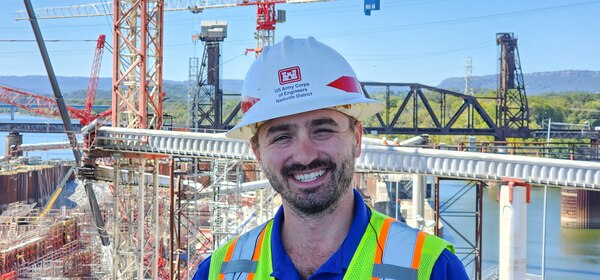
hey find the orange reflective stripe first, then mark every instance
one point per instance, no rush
(258, 247)
(257, 250)
(385, 228)
(228, 256)
(418, 248)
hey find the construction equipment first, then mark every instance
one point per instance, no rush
(90, 95)
(43, 105)
(46, 106)
(266, 15)
(66, 120)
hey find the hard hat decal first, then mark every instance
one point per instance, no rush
(346, 83)
(291, 92)
(247, 102)
(289, 75)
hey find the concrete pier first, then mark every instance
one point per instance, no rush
(580, 209)
(418, 199)
(513, 200)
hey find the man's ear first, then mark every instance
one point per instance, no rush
(358, 133)
(255, 148)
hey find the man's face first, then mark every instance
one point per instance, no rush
(309, 158)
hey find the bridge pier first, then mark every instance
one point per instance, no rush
(13, 138)
(12, 113)
(418, 196)
(580, 209)
(513, 199)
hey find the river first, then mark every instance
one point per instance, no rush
(570, 253)
(32, 138)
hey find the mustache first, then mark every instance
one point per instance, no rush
(316, 163)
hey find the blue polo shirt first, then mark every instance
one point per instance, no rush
(448, 266)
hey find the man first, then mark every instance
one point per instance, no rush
(302, 109)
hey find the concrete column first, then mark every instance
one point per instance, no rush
(472, 144)
(513, 199)
(418, 198)
(12, 113)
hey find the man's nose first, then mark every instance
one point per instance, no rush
(305, 150)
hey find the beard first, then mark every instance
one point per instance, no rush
(318, 200)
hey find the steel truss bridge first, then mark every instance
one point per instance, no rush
(37, 127)
(430, 110)
(439, 118)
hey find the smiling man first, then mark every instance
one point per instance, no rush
(302, 110)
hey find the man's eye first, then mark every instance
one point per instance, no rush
(323, 130)
(279, 138)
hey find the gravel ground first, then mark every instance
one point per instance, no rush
(74, 195)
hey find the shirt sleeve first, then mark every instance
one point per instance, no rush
(448, 266)
(202, 272)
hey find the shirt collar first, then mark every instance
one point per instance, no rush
(338, 262)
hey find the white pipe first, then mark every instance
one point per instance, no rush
(513, 233)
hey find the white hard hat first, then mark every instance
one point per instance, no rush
(296, 76)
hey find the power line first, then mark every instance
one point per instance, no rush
(393, 28)
(46, 40)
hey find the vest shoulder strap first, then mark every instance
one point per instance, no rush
(399, 251)
(238, 259)
(398, 245)
(433, 247)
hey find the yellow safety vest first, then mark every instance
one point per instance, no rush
(249, 256)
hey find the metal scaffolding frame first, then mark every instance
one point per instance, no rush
(225, 206)
(472, 252)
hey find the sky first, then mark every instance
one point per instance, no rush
(419, 41)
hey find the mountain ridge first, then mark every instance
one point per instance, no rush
(536, 83)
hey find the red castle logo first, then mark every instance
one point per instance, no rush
(289, 75)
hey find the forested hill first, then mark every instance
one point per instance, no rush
(75, 87)
(536, 83)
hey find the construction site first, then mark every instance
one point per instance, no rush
(144, 199)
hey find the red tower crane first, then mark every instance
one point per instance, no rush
(93, 83)
(44, 105)
(266, 18)
(47, 106)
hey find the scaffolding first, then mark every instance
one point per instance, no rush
(469, 244)
(226, 205)
(34, 247)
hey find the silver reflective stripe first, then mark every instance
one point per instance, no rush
(236, 276)
(241, 259)
(236, 266)
(400, 245)
(388, 271)
(244, 247)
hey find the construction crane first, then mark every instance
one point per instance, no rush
(266, 18)
(266, 14)
(46, 106)
(43, 105)
(90, 94)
